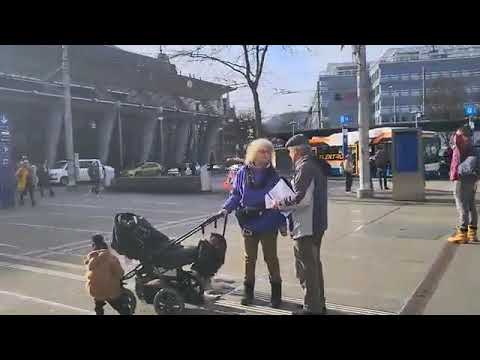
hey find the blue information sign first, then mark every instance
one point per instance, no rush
(7, 171)
(470, 110)
(345, 141)
(344, 119)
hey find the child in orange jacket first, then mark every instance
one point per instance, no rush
(104, 278)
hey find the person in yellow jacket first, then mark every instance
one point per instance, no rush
(104, 278)
(25, 182)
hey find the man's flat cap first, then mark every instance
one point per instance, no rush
(296, 140)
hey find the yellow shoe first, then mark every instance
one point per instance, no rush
(460, 237)
(472, 233)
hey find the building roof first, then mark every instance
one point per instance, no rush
(429, 52)
(108, 67)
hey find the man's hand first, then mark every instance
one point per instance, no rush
(222, 212)
(276, 204)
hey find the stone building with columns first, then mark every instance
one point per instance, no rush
(126, 108)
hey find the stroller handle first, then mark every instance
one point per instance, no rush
(212, 219)
(201, 227)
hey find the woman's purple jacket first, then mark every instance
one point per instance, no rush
(243, 196)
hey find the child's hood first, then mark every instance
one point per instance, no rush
(97, 257)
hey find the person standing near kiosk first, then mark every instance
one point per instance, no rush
(348, 170)
(381, 164)
(463, 172)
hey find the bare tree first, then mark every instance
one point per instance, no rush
(239, 132)
(246, 60)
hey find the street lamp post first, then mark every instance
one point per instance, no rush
(359, 52)
(293, 123)
(68, 118)
(418, 115)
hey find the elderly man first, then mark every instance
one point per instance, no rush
(308, 221)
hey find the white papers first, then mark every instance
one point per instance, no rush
(280, 192)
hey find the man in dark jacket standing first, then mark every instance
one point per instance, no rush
(381, 164)
(95, 177)
(308, 221)
(44, 179)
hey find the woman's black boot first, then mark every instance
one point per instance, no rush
(276, 297)
(247, 298)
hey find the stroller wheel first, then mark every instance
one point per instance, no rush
(168, 301)
(130, 299)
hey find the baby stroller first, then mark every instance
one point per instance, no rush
(160, 279)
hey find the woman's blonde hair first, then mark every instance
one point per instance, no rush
(253, 148)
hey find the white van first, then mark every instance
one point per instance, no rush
(59, 174)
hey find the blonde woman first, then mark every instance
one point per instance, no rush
(259, 225)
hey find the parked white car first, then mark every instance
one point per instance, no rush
(59, 174)
(173, 172)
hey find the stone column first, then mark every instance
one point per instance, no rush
(181, 140)
(52, 135)
(149, 126)
(210, 141)
(105, 131)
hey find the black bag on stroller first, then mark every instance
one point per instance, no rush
(211, 255)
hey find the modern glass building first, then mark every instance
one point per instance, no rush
(336, 96)
(427, 82)
(433, 81)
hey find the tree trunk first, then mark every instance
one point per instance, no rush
(258, 114)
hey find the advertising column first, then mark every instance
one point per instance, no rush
(408, 169)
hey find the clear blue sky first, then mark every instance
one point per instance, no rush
(296, 69)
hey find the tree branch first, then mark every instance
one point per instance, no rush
(257, 50)
(247, 63)
(262, 61)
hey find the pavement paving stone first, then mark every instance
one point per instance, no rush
(374, 253)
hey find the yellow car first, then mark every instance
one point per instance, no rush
(145, 169)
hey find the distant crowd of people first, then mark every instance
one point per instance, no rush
(379, 167)
(31, 177)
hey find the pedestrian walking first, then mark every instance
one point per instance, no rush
(34, 176)
(347, 166)
(308, 221)
(95, 175)
(464, 173)
(25, 182)
(258, 224)
(44, 180)
(104, 278)
(381, 165)
(373, 170)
